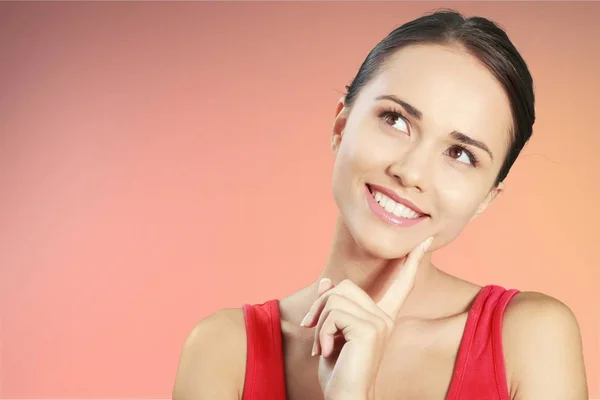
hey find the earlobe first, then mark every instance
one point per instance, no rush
(335, 143)
(489, 199)
(339, 123)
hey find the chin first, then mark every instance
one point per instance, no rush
(381, 252)
(378, 240)
(381, 245)
(393, 250)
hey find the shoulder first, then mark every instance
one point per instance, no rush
(543, 308)
(542, 343)
(531, 313)
(213, 360)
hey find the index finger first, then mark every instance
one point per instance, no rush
(396, 294)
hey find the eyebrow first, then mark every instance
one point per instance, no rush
(461, 137)
(409, 109)
(456, 135)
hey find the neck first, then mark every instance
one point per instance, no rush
(347, 260)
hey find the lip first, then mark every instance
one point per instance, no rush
(389, 193)
(388, 217)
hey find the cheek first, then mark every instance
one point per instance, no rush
(458, 203)
(345, 164)
(357, 153)
(367, 147)
(360, 153)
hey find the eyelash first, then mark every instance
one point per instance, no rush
(386, 112)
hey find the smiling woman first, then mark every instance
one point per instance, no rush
(423, 141)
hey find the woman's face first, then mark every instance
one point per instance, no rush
(431, 130)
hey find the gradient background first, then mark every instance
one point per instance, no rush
(160, 161)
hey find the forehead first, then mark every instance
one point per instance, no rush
(452, 89)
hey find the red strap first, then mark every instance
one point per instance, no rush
(265, 376)
(479, 371)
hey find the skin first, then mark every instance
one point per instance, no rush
(398, 311)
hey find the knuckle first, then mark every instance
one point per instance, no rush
(334, 298)
(335, 313)
(333, 301)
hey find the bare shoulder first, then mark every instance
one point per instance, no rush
(213, 360)
(542, 349)
(531, 313)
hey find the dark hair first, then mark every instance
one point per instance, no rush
(483, 39)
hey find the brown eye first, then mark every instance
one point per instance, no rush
(392, 119)
(455, 152)
(462, 155)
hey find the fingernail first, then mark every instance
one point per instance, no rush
(314, 349)
(306, 319)
(427, 243)
(322, 284)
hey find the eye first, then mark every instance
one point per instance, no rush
(462, 155)
(395, 120)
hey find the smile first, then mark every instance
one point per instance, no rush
(397, 212)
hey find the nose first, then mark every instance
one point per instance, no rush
(410, 169)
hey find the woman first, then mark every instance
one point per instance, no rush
(423, 140)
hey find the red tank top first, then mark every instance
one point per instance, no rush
(478, 373)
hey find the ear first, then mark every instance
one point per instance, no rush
(489, 199)
(339, 123)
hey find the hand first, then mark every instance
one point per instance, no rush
(352, 330)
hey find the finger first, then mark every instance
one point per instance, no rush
(346, 288)
(339, 302)
(396, 294)
(324, 285)
(351, 326)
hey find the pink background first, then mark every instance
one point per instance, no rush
(160, 161)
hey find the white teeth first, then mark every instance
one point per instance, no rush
(399, 210)
(390, 205)
(407, 212)
(383, 201)
(412, 214)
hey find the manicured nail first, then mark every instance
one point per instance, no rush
(306, 319)
(322, 285)
(426, 244)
